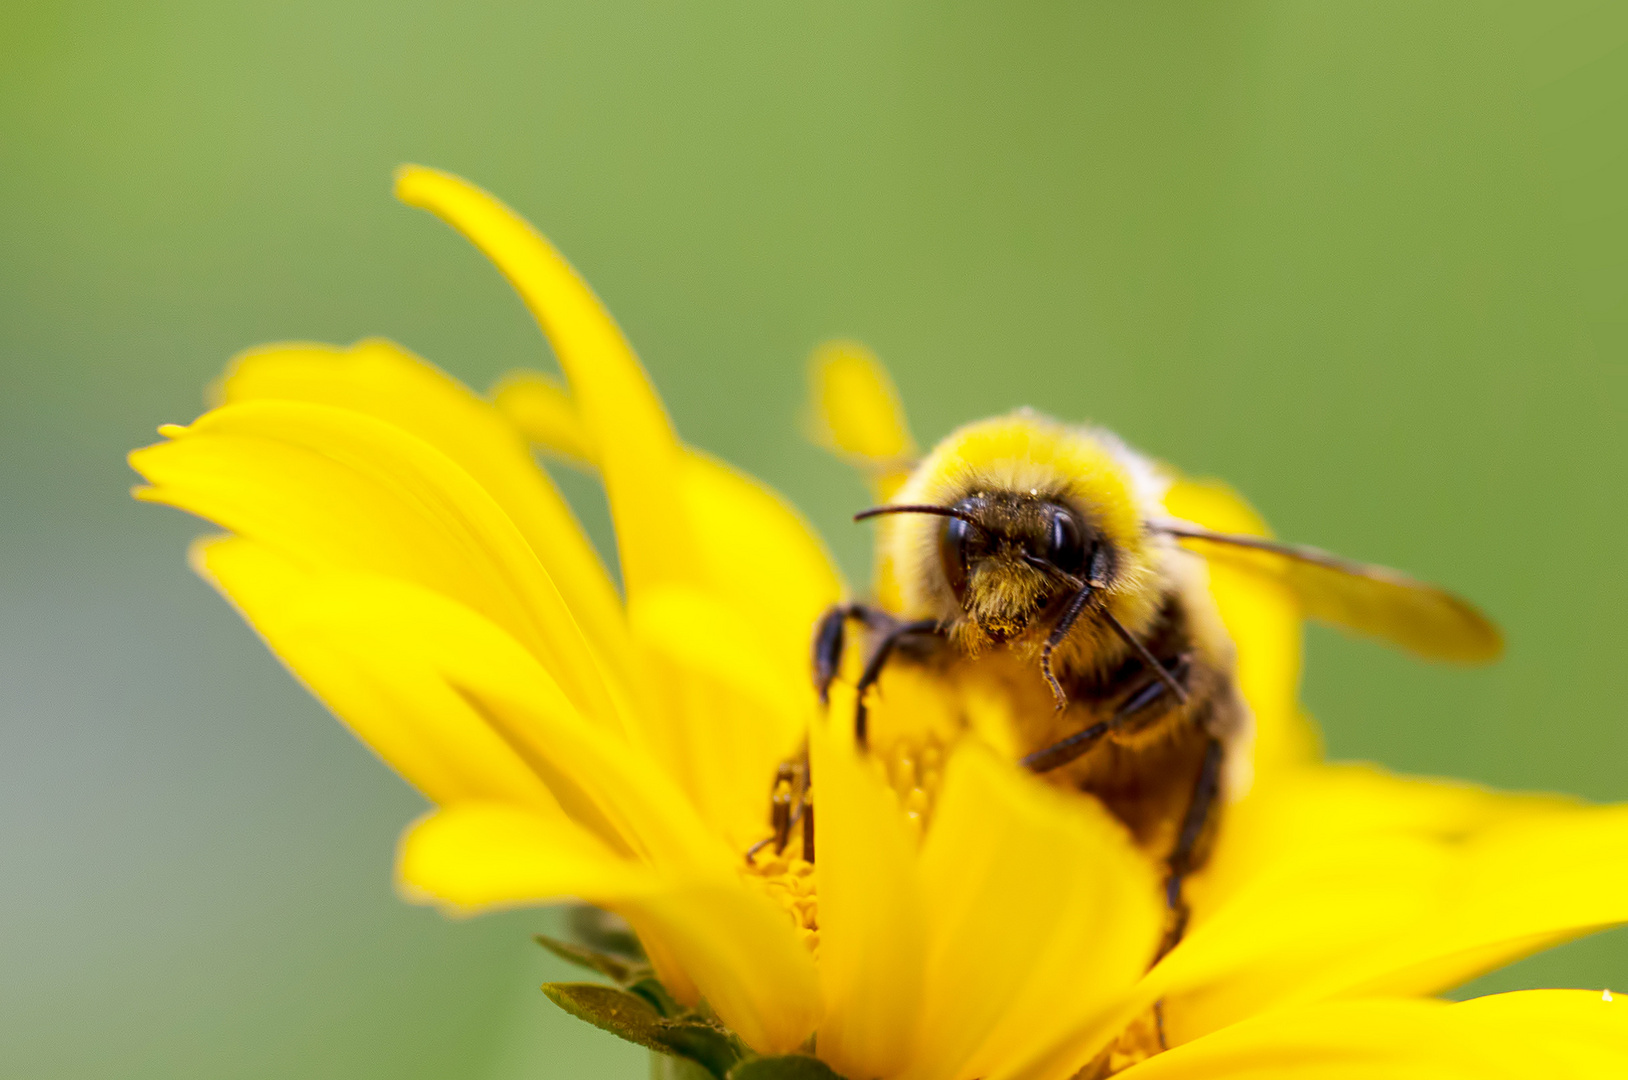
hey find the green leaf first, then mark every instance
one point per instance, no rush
(616, 968)
(788, 1067)
(633, 1018)
(616, 1011)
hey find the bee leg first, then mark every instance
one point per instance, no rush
(829, 635)
(782, 804)
(788, 797)
(873, 668)
(1180, 863)
(808, 825)
(1070, 615)
(1076, 745)
(1061, 753)
(830, 638)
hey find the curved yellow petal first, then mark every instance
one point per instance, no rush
(733, 941)
(732, 713)
(385, 381)
(518, 698)
(1346, 881)
(752, 547)
(1063, 910)
(759, 554)
(410, 718)
(1548, 1033)
(439, 664)
(1264, 621)
(872, 940)
(856, 407)
(542, 409)
(638, 452)
(856, 413)
(745, 957)
(336, 489)
(481, 856)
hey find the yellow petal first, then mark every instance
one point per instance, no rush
(412, 719)
(540, 407)
(333, 488)
(480, 856)
(759, 554)
(856, 413)
(733, 713)
(752, 547)
(389, 383)
(345, 630)
(638, 452)
(581, 763)
(1063, 910)
(733, 941)
(1344, 881)
(745, 957)
(1264, 621)
(1547, 1033)
(872, 941)
(856, 407)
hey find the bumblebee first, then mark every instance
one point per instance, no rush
(1040, 556)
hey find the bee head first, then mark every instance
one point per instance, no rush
(1007, 557)
(1007, 518)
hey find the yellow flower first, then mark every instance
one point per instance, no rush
(392, 539)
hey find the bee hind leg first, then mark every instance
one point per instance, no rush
(1181, 861)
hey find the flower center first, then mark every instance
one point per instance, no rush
(788, 878)
(783, 864)
(912, 767)
(1136, 1043)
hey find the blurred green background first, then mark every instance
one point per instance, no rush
(1366, 261)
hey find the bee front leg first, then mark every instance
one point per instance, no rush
(873, 668)
(830, 635)
(830, 639)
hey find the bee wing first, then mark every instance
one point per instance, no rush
(1370, 600)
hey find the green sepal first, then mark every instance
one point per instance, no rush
(632, 1017)
(605, 931)
(702, 1042)
(628, 974)
(786, 1067)
(650, 988)
(618, 969)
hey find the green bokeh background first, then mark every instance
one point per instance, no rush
(1366, 261)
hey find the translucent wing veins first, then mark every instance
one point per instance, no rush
(1371, 600)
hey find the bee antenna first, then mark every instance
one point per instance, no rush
(1159, 670)
(1088, 589)
(938, 511)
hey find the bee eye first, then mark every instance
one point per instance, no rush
(960, 543)
(1065, 547)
